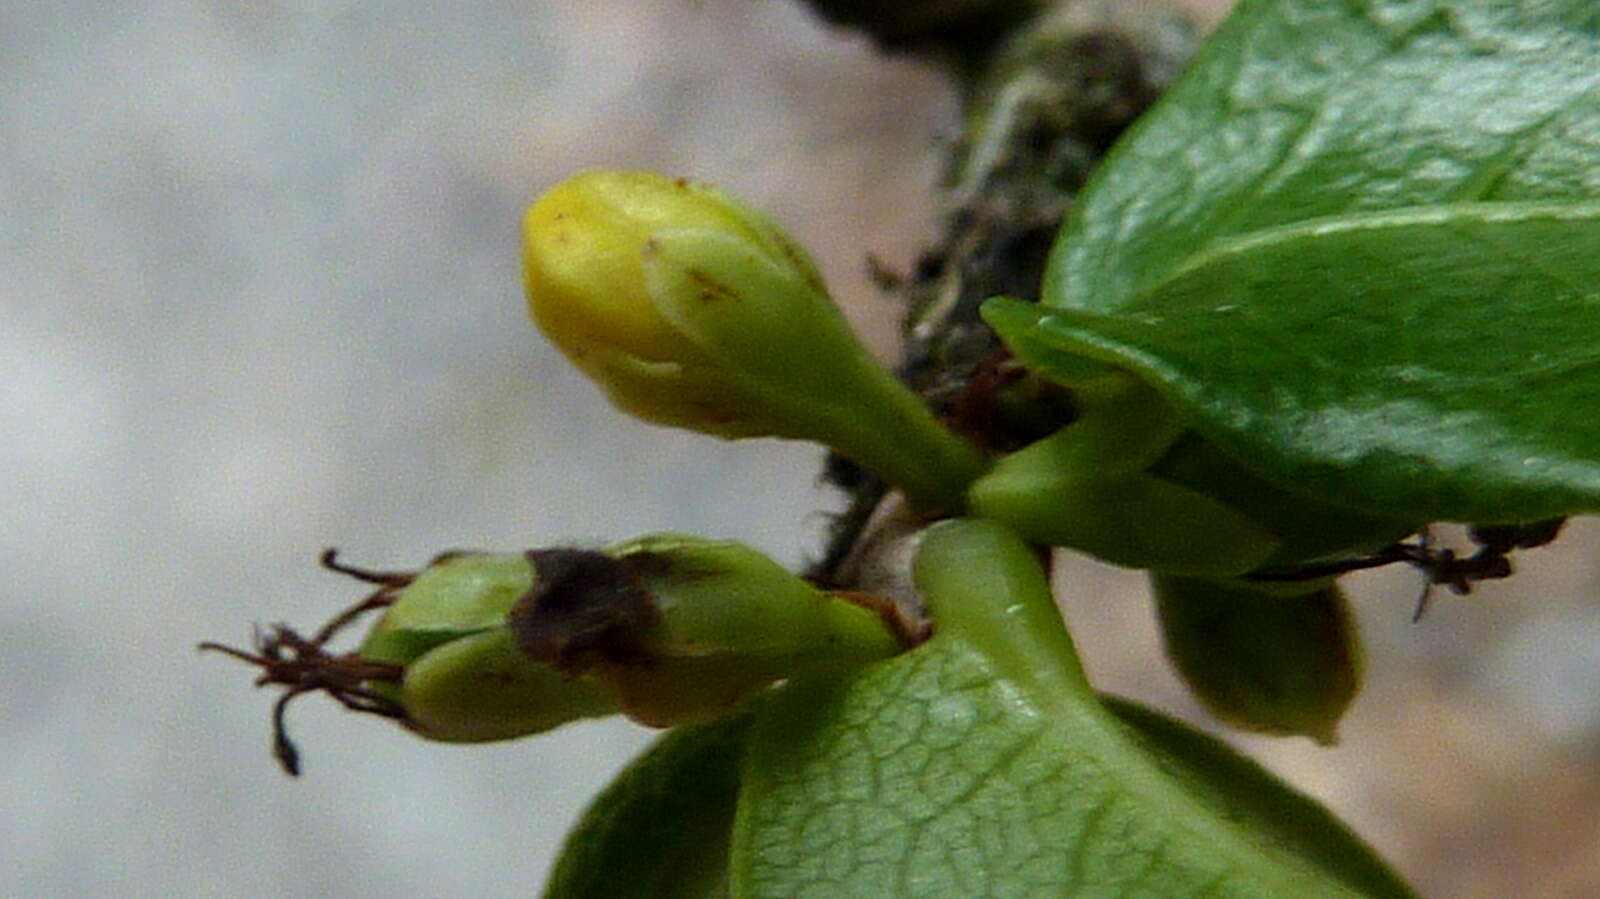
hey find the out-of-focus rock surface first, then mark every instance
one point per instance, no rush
(259, 295)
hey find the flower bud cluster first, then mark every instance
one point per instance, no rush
(668, 629)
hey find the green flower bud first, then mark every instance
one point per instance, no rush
(457, 595)
(463, 679)
(1266, 663)
(668, 629)
(681, 629)
(480, 687)
(693, 310)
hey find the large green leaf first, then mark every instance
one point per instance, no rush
(660, 831)
(1440, 363)
(1298, 109)
(1338, 247)
(982, 764)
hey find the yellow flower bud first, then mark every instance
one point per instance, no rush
(587, 240)
(695, 311)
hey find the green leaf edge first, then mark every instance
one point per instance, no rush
(1065, 343)
(1221, 51)
(661, 829)
(1201, 760)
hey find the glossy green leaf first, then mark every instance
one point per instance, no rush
(660, 831)
(1298, 109)
(1338, 247)
(1312, 531)
(982, 764)
(1437, 363)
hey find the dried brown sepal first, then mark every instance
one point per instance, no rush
(304, 665)
(391, 579)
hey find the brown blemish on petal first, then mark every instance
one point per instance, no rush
(709, 289)
(797, 259)
(713, 413)
(584, 607)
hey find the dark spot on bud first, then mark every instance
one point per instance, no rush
(798, 261)
(585, 606)
(713, 413)
(709, 289)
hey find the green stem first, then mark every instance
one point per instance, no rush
(981, 581)
(901, 442)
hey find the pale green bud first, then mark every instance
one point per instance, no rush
(490, 646)
(1267, 663)
(681, 629)
(693, 310)
(480, 687)
(669, 629)
(463, 679)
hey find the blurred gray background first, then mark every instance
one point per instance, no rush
(259, 294)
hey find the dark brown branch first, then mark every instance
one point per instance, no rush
(1045, 98)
